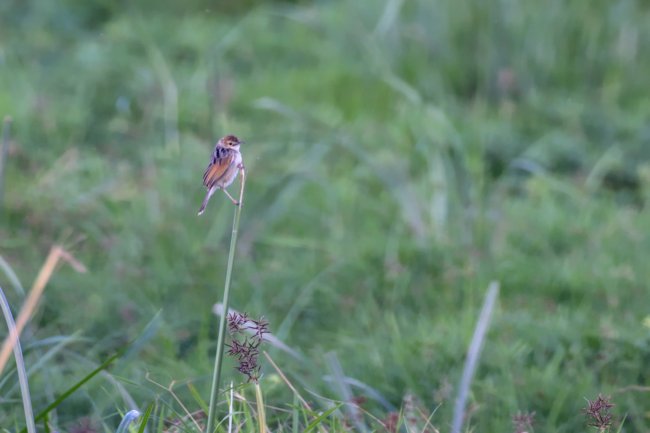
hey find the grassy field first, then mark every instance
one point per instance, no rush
(401, 155)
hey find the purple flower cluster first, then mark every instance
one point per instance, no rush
(597, 412)
(245, 348)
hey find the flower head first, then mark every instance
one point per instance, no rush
(597, 412)
(245, 348)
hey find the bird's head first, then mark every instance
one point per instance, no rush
(230, 141)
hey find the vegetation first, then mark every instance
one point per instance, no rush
(400, 156)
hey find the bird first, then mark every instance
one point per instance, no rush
(225, 164)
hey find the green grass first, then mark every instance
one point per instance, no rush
(400, 156)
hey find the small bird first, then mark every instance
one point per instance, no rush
(225, 164)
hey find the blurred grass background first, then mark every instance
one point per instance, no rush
(401, 155)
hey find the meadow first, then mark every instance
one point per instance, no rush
(401, 156)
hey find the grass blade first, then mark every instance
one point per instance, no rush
(56, 253)
(261, 411)
(316, 422)
(197, 397)
(43, 414)
(473, 355)
(295, 415)
(9, 272)
(130, 416)
(145, 418)
(231, 411)
(20, 364)
(344, 391)
(42, 359)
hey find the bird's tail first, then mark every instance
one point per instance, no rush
(205, 200)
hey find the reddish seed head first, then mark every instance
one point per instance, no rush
(597, 412)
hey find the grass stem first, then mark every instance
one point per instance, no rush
(20, 364)
(218, 359)
(261, 411)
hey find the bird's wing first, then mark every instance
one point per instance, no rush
(222, 158)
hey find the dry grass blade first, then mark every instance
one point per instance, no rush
(170, 389)
(289, 384)
(261, 410)
(56, 253)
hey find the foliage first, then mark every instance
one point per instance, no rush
(400, 155)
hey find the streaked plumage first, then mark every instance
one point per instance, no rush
(224, 166)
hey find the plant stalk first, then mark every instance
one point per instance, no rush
(261, 411)
(218, 359)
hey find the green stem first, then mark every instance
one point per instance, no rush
(218, 359)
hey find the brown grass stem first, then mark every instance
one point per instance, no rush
(56, 253)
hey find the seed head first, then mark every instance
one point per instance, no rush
(597, 413)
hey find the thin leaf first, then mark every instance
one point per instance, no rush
(197, 397)
(312, 425)
(473, 354)
(145, 418)
(43, 414)
(13, 278)
(130, 416)
(20, 364)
